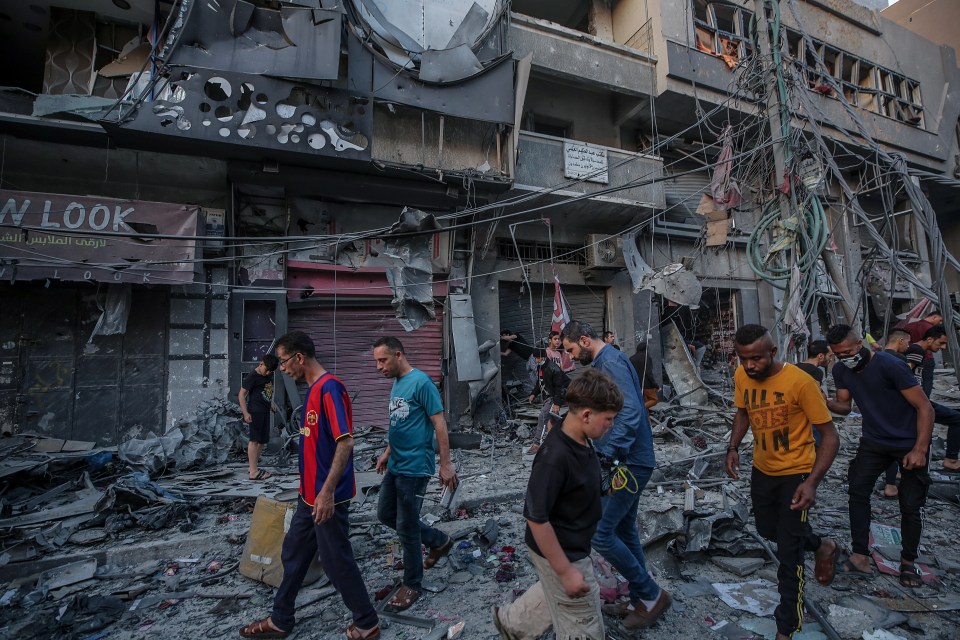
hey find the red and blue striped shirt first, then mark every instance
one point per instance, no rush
(327, 417)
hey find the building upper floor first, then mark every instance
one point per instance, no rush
(361, 86)
(901, 86)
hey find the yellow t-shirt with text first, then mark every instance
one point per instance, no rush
(782, 409)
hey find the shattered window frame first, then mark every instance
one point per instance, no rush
(865, 84)
(705, 18)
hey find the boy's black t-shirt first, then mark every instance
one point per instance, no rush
(564, 490)
(259, 392)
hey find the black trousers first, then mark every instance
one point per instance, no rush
(790, 530)
(871, 460)
(304, 540)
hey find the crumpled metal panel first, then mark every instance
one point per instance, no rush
(488, 96)
(238, 36)
(412, 278)
(680, 368)
(233, 111)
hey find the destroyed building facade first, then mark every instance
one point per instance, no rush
(358, 167)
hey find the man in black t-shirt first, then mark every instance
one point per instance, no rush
(918, 354)
(562, 509)
(551, 383)
(897, 426)
(256, 402)
(818, 358)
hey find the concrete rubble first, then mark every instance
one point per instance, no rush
(95, 546)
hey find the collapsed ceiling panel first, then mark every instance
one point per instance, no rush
(435, 41)
(240, 36)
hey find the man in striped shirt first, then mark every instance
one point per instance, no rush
(320, 525)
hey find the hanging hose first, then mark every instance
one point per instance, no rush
(812, 235)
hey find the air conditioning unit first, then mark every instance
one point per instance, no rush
(604, 252)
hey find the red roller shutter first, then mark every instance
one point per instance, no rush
(344, 338)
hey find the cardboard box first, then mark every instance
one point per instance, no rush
(261, 555)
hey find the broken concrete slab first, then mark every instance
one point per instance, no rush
(738, 566)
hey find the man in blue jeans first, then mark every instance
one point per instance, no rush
(630, 442)
(416, 415)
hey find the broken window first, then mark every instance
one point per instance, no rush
(864, 84)
(720, 28)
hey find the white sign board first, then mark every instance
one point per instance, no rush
(585, 161)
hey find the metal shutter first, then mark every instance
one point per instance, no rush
(587, 304)
(683, 192)
(344, 338)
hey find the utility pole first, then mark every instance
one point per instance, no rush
(781, 151)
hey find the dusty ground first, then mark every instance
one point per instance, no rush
(222, 600)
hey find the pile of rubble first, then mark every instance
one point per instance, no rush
(98, 546)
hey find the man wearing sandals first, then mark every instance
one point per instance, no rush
(782, 404)
(897, 426)
(416, 415)
(256, 401)
(320, 525)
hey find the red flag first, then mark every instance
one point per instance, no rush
(561, 313)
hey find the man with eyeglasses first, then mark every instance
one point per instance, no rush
(320, 525)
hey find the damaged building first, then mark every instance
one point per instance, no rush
(185, 181)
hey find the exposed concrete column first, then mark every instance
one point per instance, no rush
(600, 19)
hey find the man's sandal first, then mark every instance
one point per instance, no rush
(910, 576)
(353, 632)
(435, 554)
(402, 600)
(262, 629)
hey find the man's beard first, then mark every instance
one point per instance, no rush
(585, 357)
(758, 375)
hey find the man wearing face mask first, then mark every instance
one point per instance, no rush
(897, 426)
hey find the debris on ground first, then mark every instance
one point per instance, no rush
(97, 546)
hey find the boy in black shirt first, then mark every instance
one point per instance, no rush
(562, 510)
(256, 401)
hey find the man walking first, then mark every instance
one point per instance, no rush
(630, 443)
(256, 401)
(897, 426)
(917, 329)
(550, 383)
(782, 405)
(818, 357)
(935, 339)
(320, 525)
(416, 415)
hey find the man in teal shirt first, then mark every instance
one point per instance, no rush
(416, 415)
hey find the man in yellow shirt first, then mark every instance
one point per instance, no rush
(782, 404)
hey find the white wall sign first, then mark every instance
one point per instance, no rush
(580, 160)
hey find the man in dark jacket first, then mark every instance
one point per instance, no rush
(552, 383)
